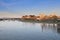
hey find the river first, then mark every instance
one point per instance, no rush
(17, 30)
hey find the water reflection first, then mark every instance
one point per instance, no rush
(52, 27)
(58, 28)
(17, 30)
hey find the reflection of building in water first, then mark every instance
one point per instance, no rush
(58, 28)
(49, 27)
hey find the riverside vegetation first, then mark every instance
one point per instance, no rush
(52, 18)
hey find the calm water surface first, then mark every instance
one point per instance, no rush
(17, 30)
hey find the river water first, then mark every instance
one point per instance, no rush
(17, 30)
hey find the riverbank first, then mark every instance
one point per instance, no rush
(32, 21)
(35, 21)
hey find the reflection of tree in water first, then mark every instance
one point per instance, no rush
(43, 27)
(49, 27)
(58, 28)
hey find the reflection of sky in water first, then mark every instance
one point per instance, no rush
(15, 30)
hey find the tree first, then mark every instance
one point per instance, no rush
(53, 18)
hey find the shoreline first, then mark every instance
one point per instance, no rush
(32, 21)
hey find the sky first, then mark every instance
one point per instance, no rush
(16, 8)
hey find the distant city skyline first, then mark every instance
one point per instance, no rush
(14, 8)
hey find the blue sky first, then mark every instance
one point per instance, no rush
(21, 7)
